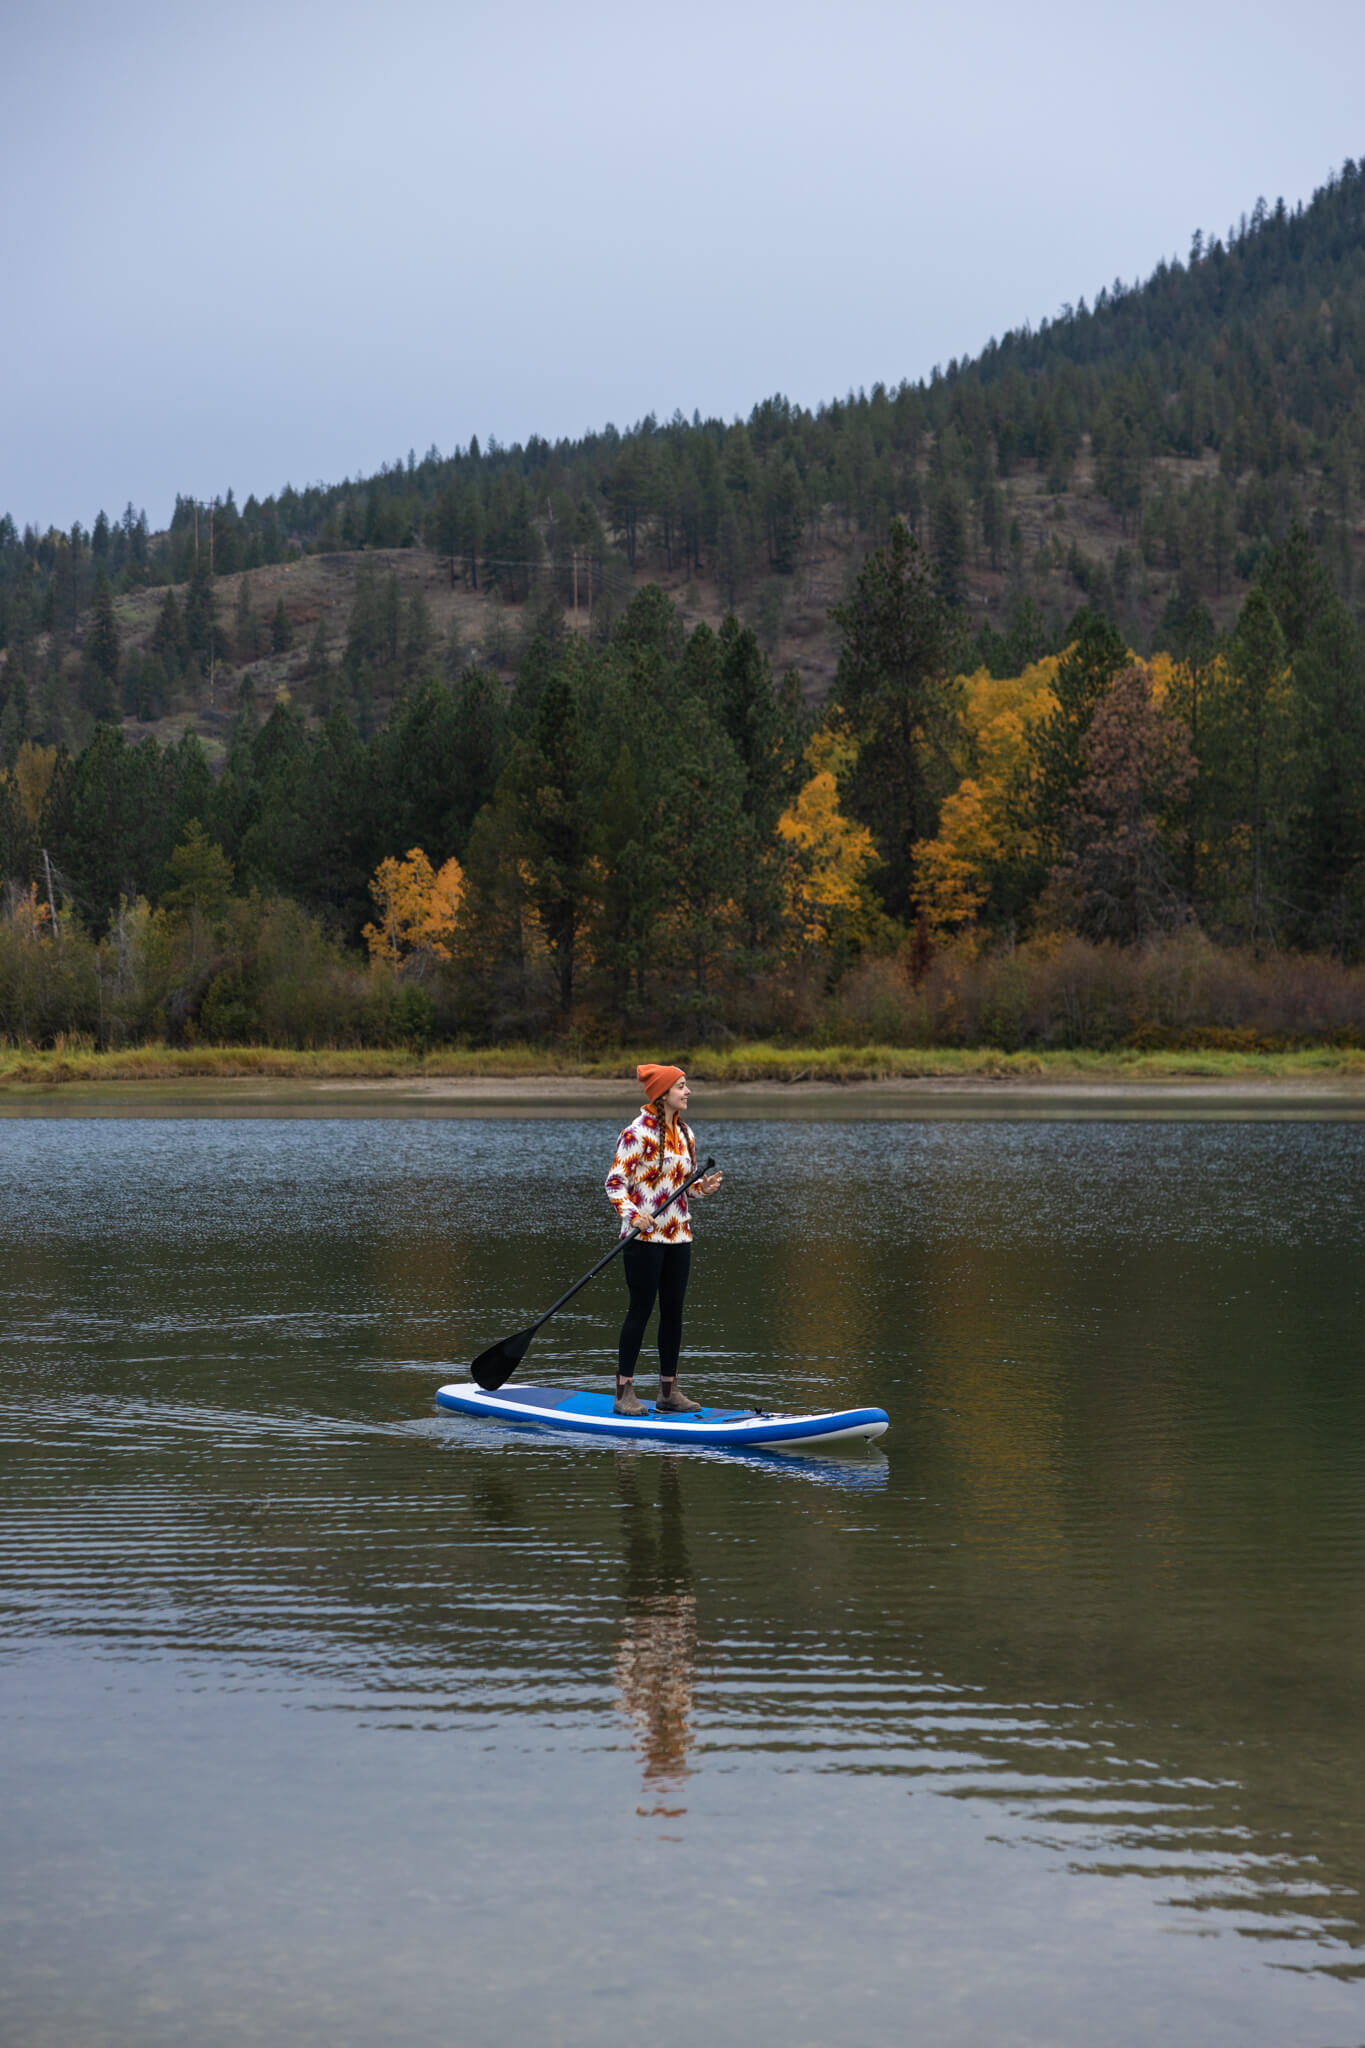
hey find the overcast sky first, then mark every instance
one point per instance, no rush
(283, 243)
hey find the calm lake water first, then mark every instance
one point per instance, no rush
(326, 1719)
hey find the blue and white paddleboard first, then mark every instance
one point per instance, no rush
(586, 1414)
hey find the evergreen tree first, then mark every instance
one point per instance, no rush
(651, 626)
(993, 522)
(894, 690)
(103, 647)
(313, 837)
(117, 832)
(14, 716)
(950, 544)
(548, 774)
(202, 876)
(100, 665)
(443, 528)
(319, 667)
(1297, 585)
(699, 672)
(203, 634)
(628, 901)
(169, 640)
(759, 725)
(786, 518)
(1094, 655)
(281, 632)
(17, 851)
(511, 988)
(437, 763)
(1329, 677)
(417, 634)
(472, 526)
(246, 636)
(697, 829)
(1253, 773)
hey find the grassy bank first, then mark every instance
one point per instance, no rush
(23, 1067)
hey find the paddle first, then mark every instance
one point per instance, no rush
(492, 1367)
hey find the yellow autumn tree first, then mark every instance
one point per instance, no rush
(33, 771)
(980, 825)
(24, 912)
(829, 854)
(418, 909)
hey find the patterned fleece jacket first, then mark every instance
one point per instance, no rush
(650, 1162)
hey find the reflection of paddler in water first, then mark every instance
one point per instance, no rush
(656, 1652)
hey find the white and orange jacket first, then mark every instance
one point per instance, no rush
(640, 1180)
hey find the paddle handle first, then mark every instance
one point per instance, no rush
(621, 1244)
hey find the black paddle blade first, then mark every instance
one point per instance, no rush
(500, 1361)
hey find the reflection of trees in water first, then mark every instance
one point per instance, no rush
(656, 1650)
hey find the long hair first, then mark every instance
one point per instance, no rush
(685, 1142)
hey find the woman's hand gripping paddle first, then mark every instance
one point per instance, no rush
(496, 1365)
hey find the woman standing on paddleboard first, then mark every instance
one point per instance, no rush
(654, 1156)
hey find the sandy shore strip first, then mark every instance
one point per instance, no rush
(1011, 1096)
(527, 1088)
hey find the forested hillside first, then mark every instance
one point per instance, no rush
(816, 722)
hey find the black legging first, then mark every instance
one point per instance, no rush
(654, 1270)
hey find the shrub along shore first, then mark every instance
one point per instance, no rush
(24, 1067)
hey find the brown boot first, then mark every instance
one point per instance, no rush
(674, 1402)
(627, 1402)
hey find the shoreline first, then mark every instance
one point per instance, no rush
(891, 1088)
(1320, 1093)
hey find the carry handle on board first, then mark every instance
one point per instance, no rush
(496, 1365)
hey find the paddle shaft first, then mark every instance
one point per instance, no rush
(620, 1246)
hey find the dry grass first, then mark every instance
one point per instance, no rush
(24, 1067)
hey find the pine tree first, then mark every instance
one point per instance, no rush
(628, 899)
(202, 632)
(1297, 585)
(548, 773)
(697, 830)
(759, 726)
(894, 690)
(993, 511)
(786, 519)
(950, 544)
(417, 633)
(1094, 655)
(245, 631)
(103, 647)
(202, 874)
(1253, 771)
(319, 667)
(169, 639)
(443, 528)
(281, 632)
(17, 851)
(1329, 677)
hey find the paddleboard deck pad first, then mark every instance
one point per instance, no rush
(587, 1414)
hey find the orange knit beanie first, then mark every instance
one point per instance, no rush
(657, 1081)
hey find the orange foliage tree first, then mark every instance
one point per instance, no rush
(983, 825)
(829, 855)
(418, 910)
